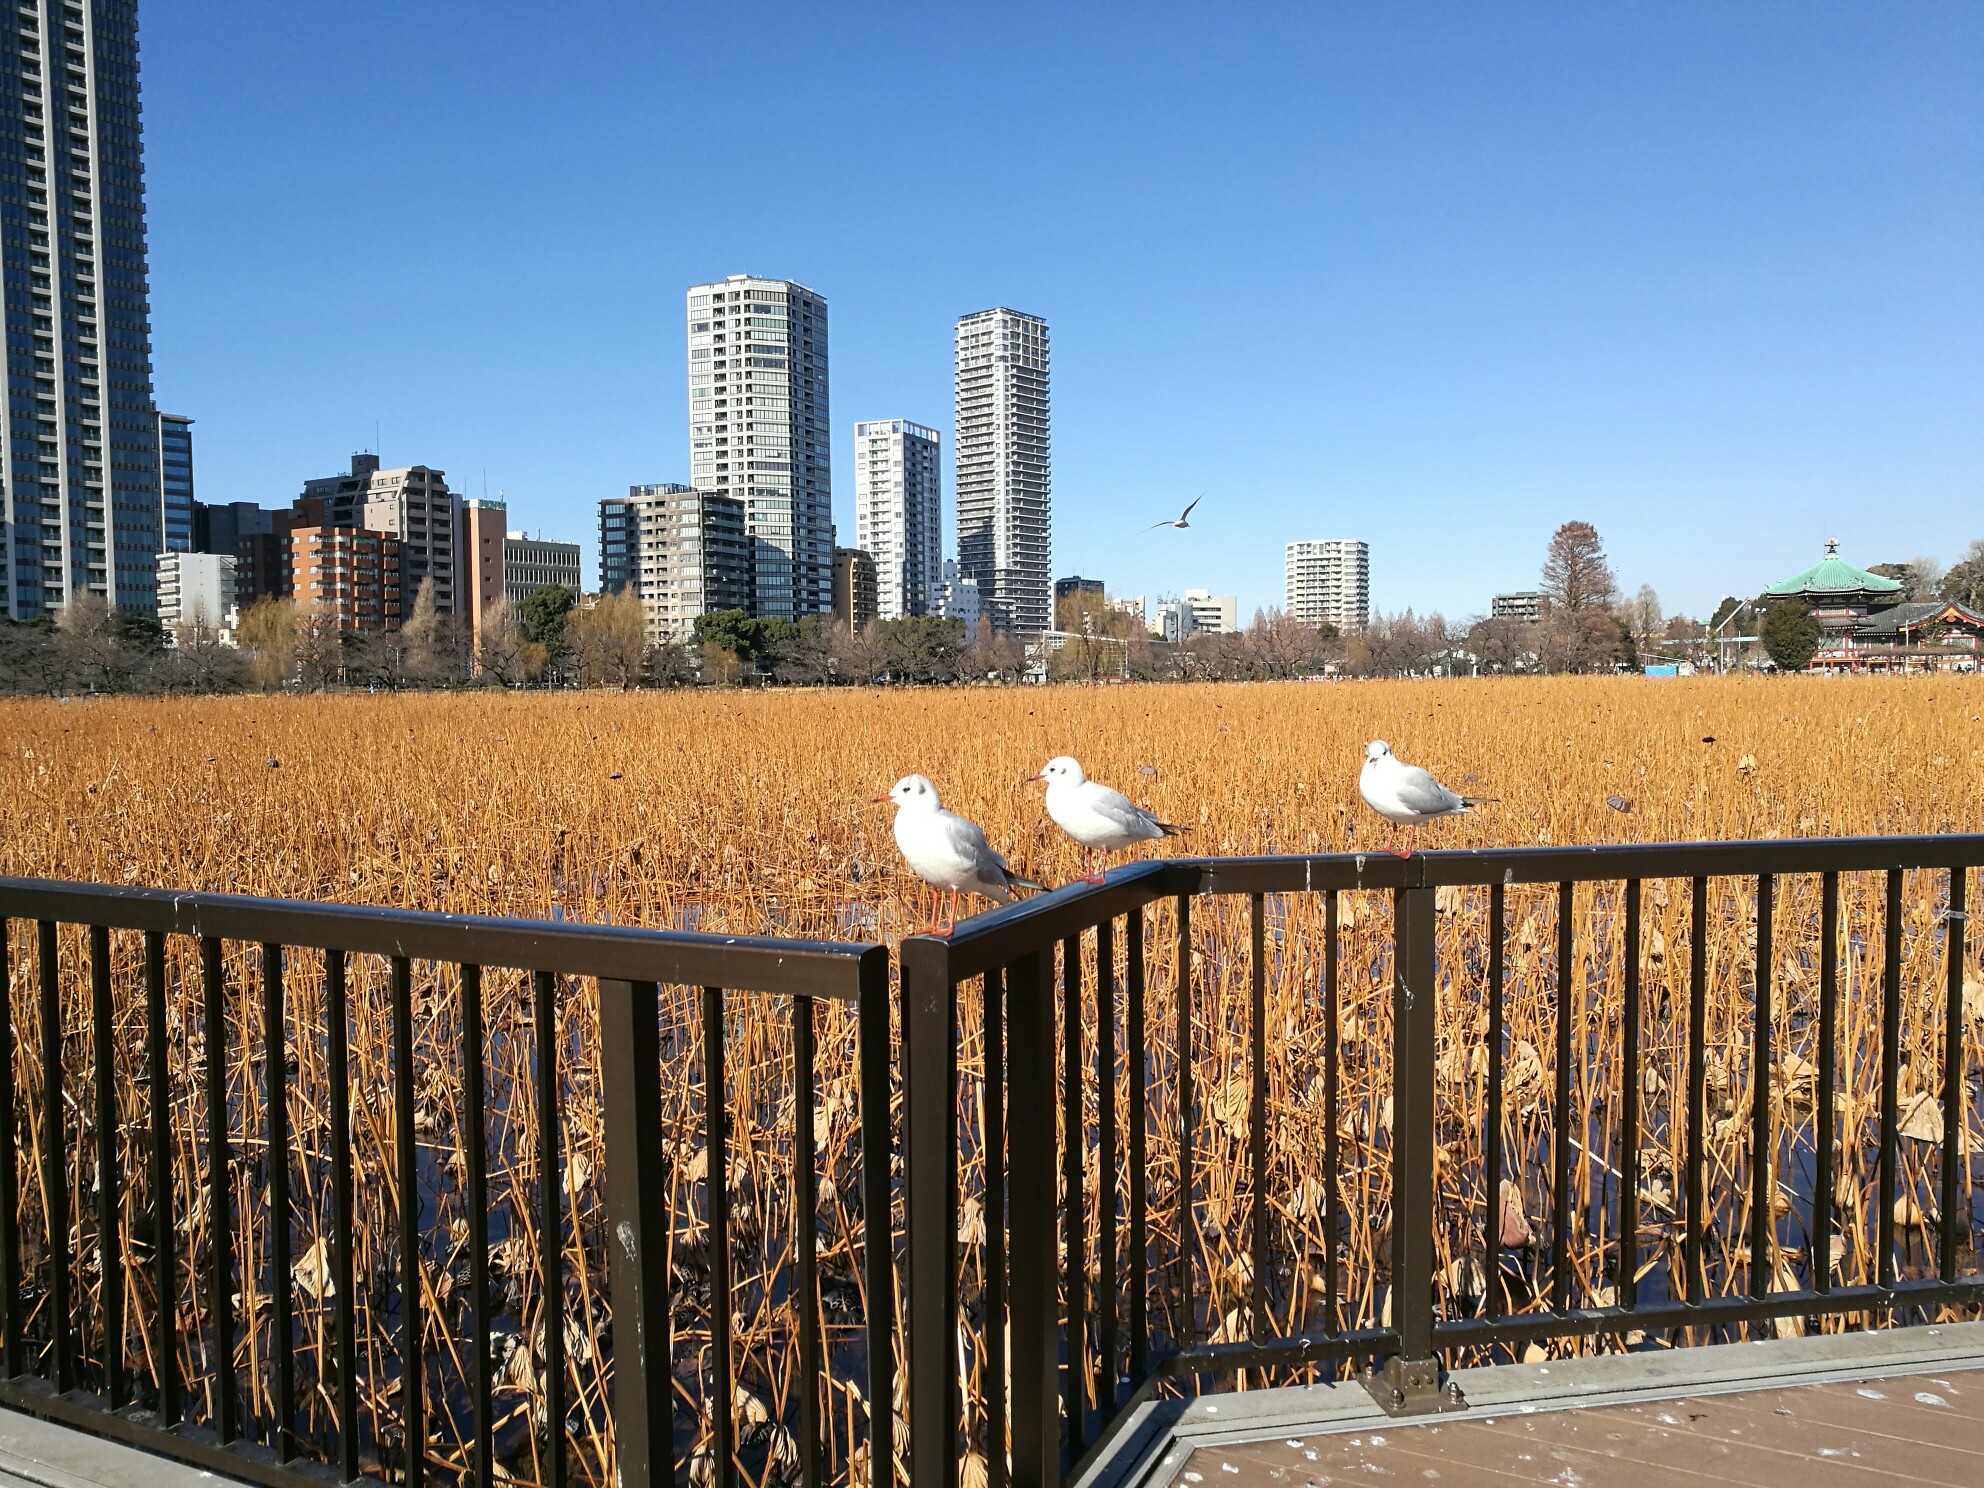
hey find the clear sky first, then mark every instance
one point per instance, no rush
(1437, 276)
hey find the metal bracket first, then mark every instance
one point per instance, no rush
(1413, 1387)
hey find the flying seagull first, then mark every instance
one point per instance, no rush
(1100, 819)
(947, 852)
(1183, 519)
(1406, 795)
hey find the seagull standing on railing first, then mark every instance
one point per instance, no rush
(1100, 819)
(947, 852)
(1406, 795)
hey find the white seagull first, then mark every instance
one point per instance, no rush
(1405, 794)
(947, 852)
(1100, 819)
(1182, 520)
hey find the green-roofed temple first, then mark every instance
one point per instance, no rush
(1871, 626)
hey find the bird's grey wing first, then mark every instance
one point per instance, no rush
(1120, 811)
(1419, 791)
(1195, 501)
(976, 850)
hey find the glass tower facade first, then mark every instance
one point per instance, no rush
(79, 471)
(175, 473)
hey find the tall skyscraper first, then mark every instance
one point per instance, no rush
(79, 485)
(1004, 517)
(176, 495)
(898, 513)
(1329, 583)
(758, 430)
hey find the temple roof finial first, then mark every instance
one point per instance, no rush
(1832, 547)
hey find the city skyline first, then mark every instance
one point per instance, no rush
(1721, 334)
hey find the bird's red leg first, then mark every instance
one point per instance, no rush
(1095, 875)
(1397, 851)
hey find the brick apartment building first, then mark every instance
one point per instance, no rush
(347, 575)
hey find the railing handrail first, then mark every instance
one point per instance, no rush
(990, 939)
(745, 963)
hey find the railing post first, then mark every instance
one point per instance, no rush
(637, 1222)
(878, 1217)
(1409, 1383)
(930, 1208)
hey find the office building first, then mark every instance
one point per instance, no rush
(898, 513)
(1329, 583)
(533, 562)
(175, 476)
(958, 599)
(196, 589)
(485, 527)
(219, 527)
(1525, 606)
(261, 568)
(1175, 620)
(1216, 614)
(411, 503)
(682, 552)
(1076, 585)
(758, 430)
(855, 588)
(1003, 490)
(79, 482)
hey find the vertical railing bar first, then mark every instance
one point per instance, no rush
(930, 1203)
(1560, 1165)
(1954, 1208)
(55, 1162)
(551, 1216)
(164, 1236)
(1257, 1117)
(109, 1237)
(1186, 1333)
(475, 1154)
(1823, 1180)
(10, 1139)
(1697, 1220)
(1105, 1161)
(1074, 1197)
(876, 1077)
(721, 1406)
(275, 1078)
(805, 1241)
(1138, 1069)
(413, 1361)
(1629, 1116)
(1030, 1106)
(1332, 1144)
(220, 1199)
(337, 1013)
(1890, 1075)
(1492, 1116)
(1762, 1133)
(994, 1146)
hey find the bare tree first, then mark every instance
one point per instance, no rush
(1576, 576)
(504, 653)
(1643, 615)
(609, 641)
(270, 634)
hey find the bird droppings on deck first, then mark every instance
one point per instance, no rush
(1930, 1397)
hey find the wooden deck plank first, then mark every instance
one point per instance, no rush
(1910, 1429)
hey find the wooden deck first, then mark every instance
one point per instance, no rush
(1916, 1429)
(1873, 1408)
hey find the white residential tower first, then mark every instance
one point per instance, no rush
(1329, 583)
(898, 513)
(1004, 514)
(758, 430)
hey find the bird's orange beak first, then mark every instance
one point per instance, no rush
(1031, 778)
(883, 797)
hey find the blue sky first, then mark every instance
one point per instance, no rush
(1710, 276)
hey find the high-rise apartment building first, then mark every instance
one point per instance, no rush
(1004, 516)
(1328, 583)
(681, 552)
(347, 578)
(485, 525)
(855, 588)
(758, 430)
(195, 589)
(898, 513)
(412, 503)
(79, 485)
(175, 472)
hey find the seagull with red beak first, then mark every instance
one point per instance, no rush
(947, 852)
(1100, 819)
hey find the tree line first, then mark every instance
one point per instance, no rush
(550, 638)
